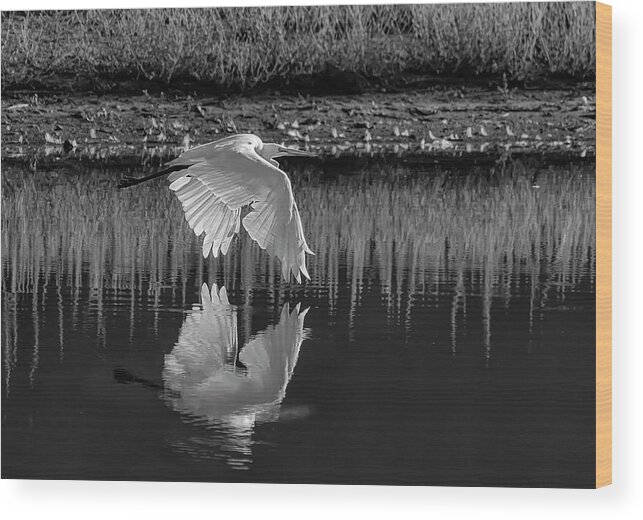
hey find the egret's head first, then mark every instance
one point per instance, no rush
(272, 150)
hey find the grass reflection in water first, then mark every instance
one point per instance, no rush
(410, 233)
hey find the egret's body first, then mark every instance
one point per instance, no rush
(215, 180)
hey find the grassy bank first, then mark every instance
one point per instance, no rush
(239, 48)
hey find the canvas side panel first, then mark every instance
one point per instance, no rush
(603, 245)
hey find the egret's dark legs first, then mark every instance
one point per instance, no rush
(122, 375)
(126, 182)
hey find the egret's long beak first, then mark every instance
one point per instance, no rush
(283, 150)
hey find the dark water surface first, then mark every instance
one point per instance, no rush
(446, 337)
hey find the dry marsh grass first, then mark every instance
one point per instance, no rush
(238, 48)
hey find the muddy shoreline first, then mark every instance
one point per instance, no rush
(441, 121)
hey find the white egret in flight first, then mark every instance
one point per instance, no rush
(215, 180)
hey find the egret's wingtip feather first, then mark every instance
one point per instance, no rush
(223, 295)
(304, 271)
(215, 294)
(205, 294)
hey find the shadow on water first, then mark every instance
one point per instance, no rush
(426, 282)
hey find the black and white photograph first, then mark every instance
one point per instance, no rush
(322, 244)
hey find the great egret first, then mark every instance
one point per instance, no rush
(215, 180)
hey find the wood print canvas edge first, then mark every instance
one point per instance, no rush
(603, 245)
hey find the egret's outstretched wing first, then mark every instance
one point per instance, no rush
(276, 226)
(273, 353)
(219, 178)
(205, 212)
(205, 337)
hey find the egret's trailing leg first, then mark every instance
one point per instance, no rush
(126, 182)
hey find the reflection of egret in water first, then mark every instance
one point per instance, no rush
(213, 381)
